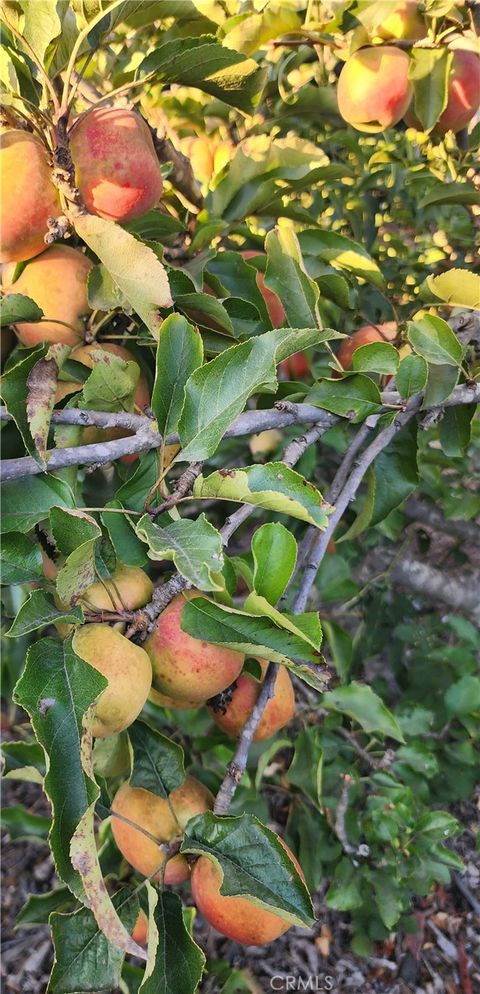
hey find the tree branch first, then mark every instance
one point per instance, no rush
(281, 415)
(429, 515)
(237, 765)
(181, 177)
(320, 542)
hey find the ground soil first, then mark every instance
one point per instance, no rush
(442, 958)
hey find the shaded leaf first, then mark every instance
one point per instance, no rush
(179, 353)
(39, 610)
(194, 546)
(158, 763)
(20, 558)
(175, 962)
(16, 307)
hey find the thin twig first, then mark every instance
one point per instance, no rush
(320, 543)
(237, 765)
(183, 486)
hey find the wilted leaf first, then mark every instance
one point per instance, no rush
(56, 689)
(133, 266)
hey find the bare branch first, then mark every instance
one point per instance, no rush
(432, 517)
(236, 767)
(437, 585)
(320, 542)
(183, 486)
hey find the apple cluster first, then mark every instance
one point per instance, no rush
(375, 90)
(175, 671)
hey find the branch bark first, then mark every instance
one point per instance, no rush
(430, 516)
(320, 542)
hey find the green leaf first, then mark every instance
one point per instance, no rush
(458, 286)
(441, 382)
(254, 30)
(274, 551)
(286, 275)
(16, 308)
(305, 770)
(194, 546)
(203, 63)
(377, 357)
(158, 763)
(463, 696)
(305, 626)
(396, 473)
(450, 193)
(365, 706)
(411, 376)
(76, 535)
(39, 610)
(41, 25)
(429, 71)
(22, 824)
(38, 907)
(354, 397)
(217, 392)
(85, 961)
(432, 338)
(342, 253)
(175, 962)
(345, 893)
(255, 636)
(340, 643)
(389, 897)
(23, 507)
(273, 486)
(179, 353)
(56, 689)
(258, 171)
(23, 761)
(133, 266)
(121, 530)
(14, 391)
(111, 384)
(253, 862)
(456, 429)
(21, 559)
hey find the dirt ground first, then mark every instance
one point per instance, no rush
(442, 958)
